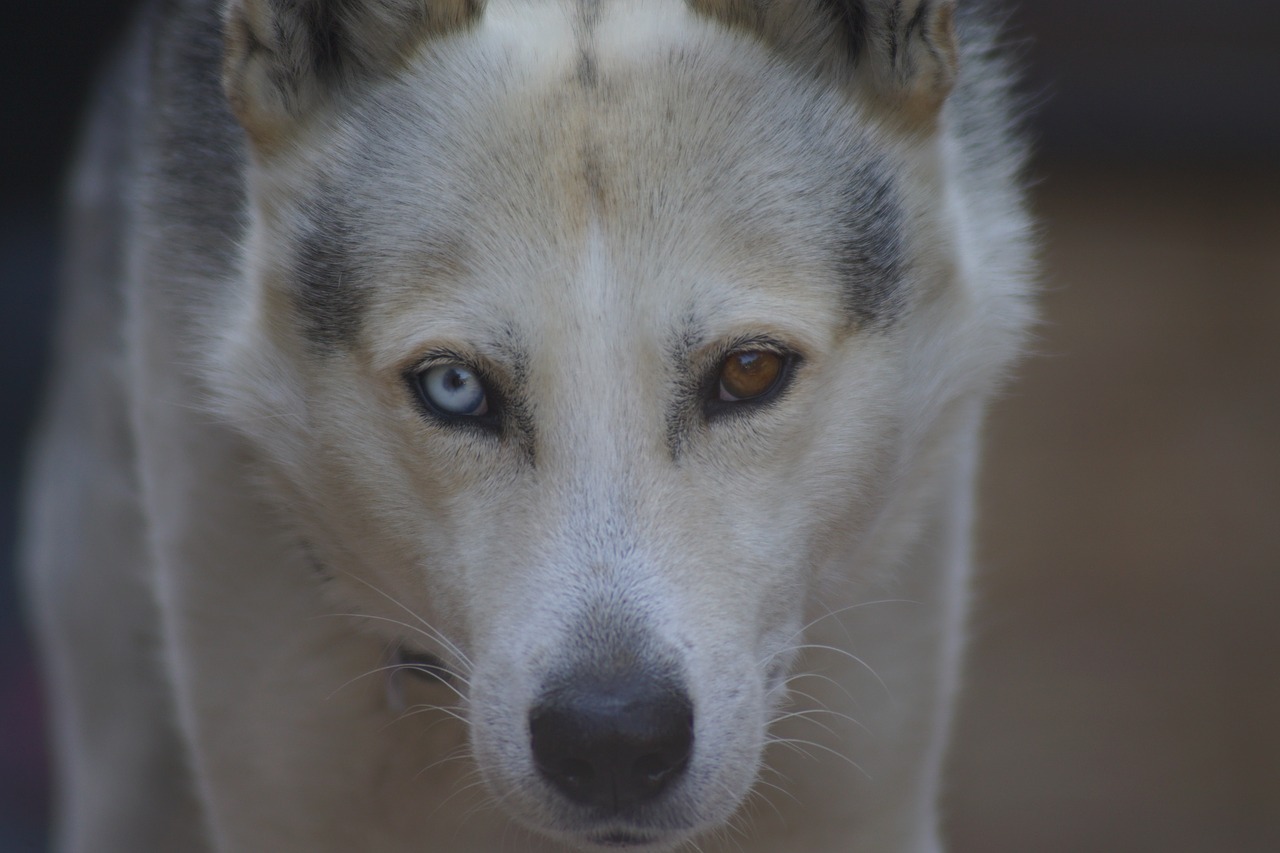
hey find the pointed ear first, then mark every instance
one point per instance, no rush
(905, 49)
(282, 58)
(901, 52)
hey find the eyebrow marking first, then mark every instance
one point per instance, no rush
(871, 259)
(327, 293)
(584, 25)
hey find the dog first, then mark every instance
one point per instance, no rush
(530, 425)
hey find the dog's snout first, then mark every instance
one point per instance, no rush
(613, 746)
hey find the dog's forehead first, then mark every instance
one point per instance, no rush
(709, 180)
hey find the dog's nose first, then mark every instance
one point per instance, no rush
(612, 746)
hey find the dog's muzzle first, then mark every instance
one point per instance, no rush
(612, 744)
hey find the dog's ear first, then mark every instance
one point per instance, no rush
(283, 57)
(902, 52)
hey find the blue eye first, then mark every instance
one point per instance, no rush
(453, 390)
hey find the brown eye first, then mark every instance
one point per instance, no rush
(749, 374)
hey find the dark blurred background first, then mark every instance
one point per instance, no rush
(1124, 688)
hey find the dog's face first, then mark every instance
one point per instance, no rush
(579, 372)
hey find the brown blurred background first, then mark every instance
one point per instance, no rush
(1124, 690)
(1124, 681)
(1124, 687)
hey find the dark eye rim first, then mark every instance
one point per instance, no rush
(714, 408)
(490, 421)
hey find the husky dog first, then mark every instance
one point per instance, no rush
(529, 425)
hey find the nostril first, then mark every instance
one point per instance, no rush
(653, 769)
(612, 746)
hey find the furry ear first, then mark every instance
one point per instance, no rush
(283, 57)
(902, 52)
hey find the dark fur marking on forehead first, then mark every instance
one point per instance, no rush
(588, 16)
(593, 177)
(586, 70)
(326, 293)
(872, 259)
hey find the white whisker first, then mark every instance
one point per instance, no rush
(798, 744)
(391, 667)
(809, 712)
(820, 677)
(440, 637)
(459, 753)
(414, 628)
(415, 710)
(786, 644)
(851, 656)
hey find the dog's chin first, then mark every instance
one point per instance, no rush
(658, 827)
(637, 832)
(661, 828)
(625, 838)
(639, 842)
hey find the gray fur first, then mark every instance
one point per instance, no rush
(327, 288)
(874, 260)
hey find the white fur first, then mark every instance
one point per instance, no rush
(808, 563)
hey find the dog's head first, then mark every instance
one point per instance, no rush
(597, 336)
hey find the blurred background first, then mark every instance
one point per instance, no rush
(1124, 677)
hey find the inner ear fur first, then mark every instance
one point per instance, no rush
(282, 58)
(901, 53)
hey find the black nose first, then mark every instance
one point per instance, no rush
(612, 745)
